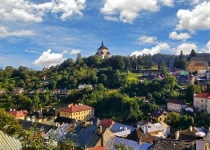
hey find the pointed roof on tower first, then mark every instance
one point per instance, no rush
(102, 46)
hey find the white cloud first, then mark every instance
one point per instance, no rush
(154, 50)
(75, 51)
(48, 58)
(128, 11)
(169, 3)
(26, 11)
(181, 36)
(147, 40)
(208, 46)
(20, 33)
(111, 18)
(185, 47)
(31, 51)
(196, 19)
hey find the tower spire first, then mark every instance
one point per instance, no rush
(102, 43)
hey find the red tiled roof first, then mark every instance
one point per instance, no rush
(106, 123)
(199, 64)
(174, 101)
(76, 108)
(203, 95)
(18, 113)
(97, 148)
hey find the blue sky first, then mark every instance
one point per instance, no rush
(38, 33)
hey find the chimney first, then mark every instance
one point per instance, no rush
(190, 128)
(85, 147)
(177, 135)
(99, 130)
(84, 124)
(200, 144)
(209, 129)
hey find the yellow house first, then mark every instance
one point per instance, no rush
(197, 63)
(159, 115)
(77, 111)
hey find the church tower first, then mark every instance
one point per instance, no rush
(102, 51)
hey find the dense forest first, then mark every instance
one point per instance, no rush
(117, 92)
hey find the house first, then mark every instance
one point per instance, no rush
(81, 87)
(185, 79)
(18, 114)
(140, 137)
(106, 123)
(121, 130)
(103, 52)
(77, 111)
(44, 128)
(41, 90)
(201, 102)
(17, 90)
(9, 143)
(56, 91)
(175, 105)
(86, 135)
(170, 144)
(192, 134)
(197, 63)
(128, 143)
(156, 130)
(59, 132)
(37, 116)
(159, 115)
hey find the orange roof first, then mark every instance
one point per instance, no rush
(18, 113)
(97, 148)
(106, 123)
(203, 95)
(76, 108)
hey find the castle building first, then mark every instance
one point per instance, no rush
(197, 63)
(102, 51)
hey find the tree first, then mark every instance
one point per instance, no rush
(181, 55)
(8, 123)
(193, 53)
(121, 146)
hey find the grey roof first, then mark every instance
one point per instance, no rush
(43, 127)
(85, 136)
(118, 127)
(168, 144)
(9, 142)
(128, 143)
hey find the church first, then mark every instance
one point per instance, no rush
(103, 52)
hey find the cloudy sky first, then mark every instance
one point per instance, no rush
(38, 33)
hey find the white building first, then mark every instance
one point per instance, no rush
(201, 102)
(175, 105)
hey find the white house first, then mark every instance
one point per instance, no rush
(175, 105)
(201, 102)
(80, 87)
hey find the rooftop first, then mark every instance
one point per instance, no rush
(106, 123)
(168, 144)
(174, 101)
(102, 46)
(76, 108)
(202, 95)
(157, 113)
(16, 113)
